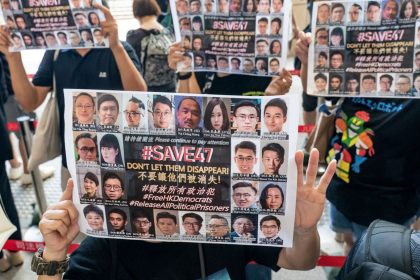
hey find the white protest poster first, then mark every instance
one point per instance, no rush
(183, 167)
(233, 36)
(366, 49)
(53, 24)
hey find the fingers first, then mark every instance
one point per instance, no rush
(175, 55)
(325, 180)
(105, 10)
(62, 215)
(312, 168)
(299, 164)
(68, 192)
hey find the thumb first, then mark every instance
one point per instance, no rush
(68, 192)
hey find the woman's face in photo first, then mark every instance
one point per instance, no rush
(84, 109)
(90, 187)
(408, 10)
(109, 154)
(276, 48)
(336, 40)
(274, 198)
(249, 6)
(217, 118)
(95, 221)
(320, 84)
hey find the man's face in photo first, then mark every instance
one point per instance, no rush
(187, 61)
(62, 38)
(98, 36)
(117, 221)
(218, 228)
(198, 61)
(77, 4)
(373, 13)
(417, 83)
(322, 61)
(275, 28)
(262, 27)
(277, 5)
(188, 114)
(245, 160)
(417, 61)
(142, 225)
(132, 114)
(195, 6)
(403, 85)
(243, 226)
(74, 39)
(368, 85)
(223, 6)
(248, 66)
(197, 44)
(272, 162)
(27, 39)
(86, 149)
(335, 83)
(336, 61)
(352, 85)
(274, 118)
(390, 10)
(191, 226)
(264, 6)
(81, 20)
(385, 84)
(162, 115)
(181, 7)
(235, 6)
(51, 40)
(262, 48)
(246, 119)
(323, 13)
(234, 64)
(222, 64)
(167, 226)
(244, 197)
(269, 229)
(274, 66)
(337, 14)
(211, 63)
(322, 37)
(113, 189)
(108, 113)
(354, 14)
(185, 24)
(208, 4)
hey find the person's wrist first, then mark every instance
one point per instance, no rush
(300, 231)
(54, 255)
(117, 46)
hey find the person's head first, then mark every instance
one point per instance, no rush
(272, 197)
(81, 19)
(188, 113)
(354, 12)
(94, 217)
(187, 61)
(118, 219)
(76, 4)
(87, 3)
(10, 22)
(261, 65)
(223, 6)
(5, 4)
(86, 147)
(274, 65)
(40, 40)
(246, 116)
(261, 48)
(211, 62)
(322, 59)
(86, 36)
(321, 36)
(62, 38)
(244, 194)
(110, 149)
(235, 63)
(276, 6)
(248, 65)
(337, 37)
(198, 60)
(320, 82)
(166, 223)
(99, 37)
(263, 25)
(75, 39)
(51, 40)
(323, 13)
(243, 224)
(272, 158)
(385, 82)
(90, 184)
(408, 9)
(245, 157)
(390, 10)
(417, 82)
(218, 226)
(133, 112)
(249, 6)
(275, 114)
(337, 12)
(113, 186)
(187, 42)
(270, 226)
(235, 6)
(373, 11)
(185, 24)
(195, 6)
(142, 221)
(197, 23)
(337, 59)
(20, 22)
(197, 43)
(216, 115)
(222, 63)
(275, 26)
(352, 84)
(27, 39)
(182, 7)
(208, 5)
(403, 84)
(162, 111)
(264, 6)
(84, 108)
(417, 59)
(368, 83)
(192, 223)
(94, 19)
(108, 109)
(275, 47)
(336, 81)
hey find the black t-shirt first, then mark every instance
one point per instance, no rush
(233, 84)
(5, 90)
(378, 160)
(98, 258)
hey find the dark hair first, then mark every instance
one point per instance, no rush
(49, 35)
(274, 59)
(278, 20)
(165, 215)
(244, 184)
(275, 147)
(337, 31)
(137, 101)
(96, 30)
(391, 79)
(118, 211)
(90, 38)
(263, 19)
(254, 6)
(89, 18)
(85, 135)
(83, 93)
(277, 102)
(79, 14)
(218, 217)
(243, 217)
(198, 19)
(357, 6)
(264, 193)
(323, 54)
(223, 58)
(161, 99)
(270, 218)
(245, 103)
(63, 33)
(337, 52)
(405, 77)
(213, 102)
(192, 215)
(108, 97)
(272, 45)
(15, 35)
(94, 209)
(246, 145)
(112, 175)
(369, 77)
(237, 59)
(141, 213)
(320, 76)
(337, 5)
(111, 141)
(373, 3)
(262, 40)
(321, 29)
(92, 177)
(336, 76)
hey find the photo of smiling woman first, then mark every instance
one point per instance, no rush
(110, 151)
(216, 116)
(272, 198)
(94, 218)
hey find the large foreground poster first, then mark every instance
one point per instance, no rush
(233, 36)
(183, 167)
(368, 48)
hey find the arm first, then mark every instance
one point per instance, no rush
(301, 50)
(130, 76)
(309, 206)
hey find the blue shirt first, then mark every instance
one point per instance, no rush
(96, 70)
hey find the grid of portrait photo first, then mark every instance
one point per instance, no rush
(367, 48)
(233, 36)
(53, 24)
(181, 167)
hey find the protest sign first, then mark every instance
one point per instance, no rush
(183, 167)
(53, 24)
(368, 49)
(235, 36)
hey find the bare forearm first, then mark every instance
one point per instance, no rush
(304, 76)
(130, 76)
(189, 85)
